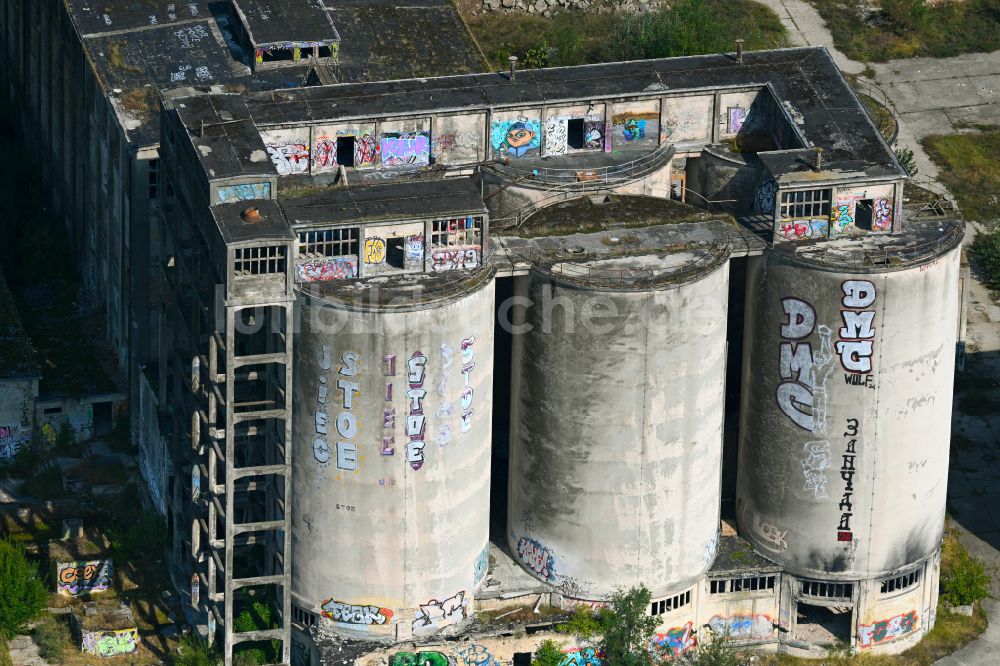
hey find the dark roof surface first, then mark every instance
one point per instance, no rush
(17, 356)
(225, 139)
(736, 555)
(97, 16)
(445, 198)
(806, 79)
(229, 218)
(286, 22)
(385, 40)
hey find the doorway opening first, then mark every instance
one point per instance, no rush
(823, 625)
(575, 133)
(864, 214)
(345, 151)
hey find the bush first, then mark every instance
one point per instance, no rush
(905, 157)
(65, 438)
(964, 581)
(258, 617)
(627, 628)
(47, 484)
(53, 640)
(195, 652)
(547, 654)
(986, 249)
(22, 595)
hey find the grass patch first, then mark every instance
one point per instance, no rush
(688, 27)
(884, 121)
(5, 659)
(525, 615)
(911, 28)
(970, 167)
(53, 639)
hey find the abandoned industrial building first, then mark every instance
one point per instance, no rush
(406, 354)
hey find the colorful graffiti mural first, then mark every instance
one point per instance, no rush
(76, 578)
(437, 614)
(455, 258)
(841, 218)
(882, 219)
(374, 250)
(481, 565)
(244, 192)
(405, 149)
(520, 137)
(355, 614)
(111, 643)
(742, 626)
(883, 631)
(320, 270)
(536, 557)
(582, 656)
(12, 438)
(478, 655)
(676, 641)
(736, 117)
(765, 199)
(804, 229)
(635, 126)
(289, 158)
(419, 659)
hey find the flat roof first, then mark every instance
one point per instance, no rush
(286, 22)
(224, 138)
(234, 229)
(102, 16)
(805, 81)
(439, 199)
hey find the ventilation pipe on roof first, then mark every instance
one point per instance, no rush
(513, 67)
(251, 215)
(819, 158)
(739, 51)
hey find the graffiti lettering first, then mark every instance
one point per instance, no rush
(883, 214)
(325, 153)
(585, 656)
(736, 118)
(437, 614)
(801, 395)
(353, 614)
(675, 641)
(12, 438)
(766, 196)
(814, 466)
(290, 158)
(773, 536)
(742, 626)
(555, 136)
(887, 630)
(455, 258)
(76, 578)
(468, 353)
(416, 370)
(321, 449)
(321, 270)
(405, 149)
(536, 557)
(111, 643)
(847, 472)
(842, 218)
(856, 337)
(419, 659)
(478, 655)
(244, 192)
(374, 250)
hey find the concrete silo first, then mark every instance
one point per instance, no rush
(846, 415)
(616, 420)
(392, 441)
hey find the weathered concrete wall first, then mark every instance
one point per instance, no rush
(392, 422)
(17, 415)
(727, 178)
(616, 435)
(845, 421)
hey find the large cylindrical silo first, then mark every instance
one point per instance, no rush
(846, 402)
(392, 423)
(616, 423)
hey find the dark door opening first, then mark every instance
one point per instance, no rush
(574, 133)
(395, 252)
(823, 625)
(102, 418)
(522, 659)
(345, 151)
(863, 214)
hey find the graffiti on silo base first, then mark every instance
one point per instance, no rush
(742, 626)
(675, 642)
(887, 630)
(536, 557)
(416, 421)
(355, 614)
(435, 614)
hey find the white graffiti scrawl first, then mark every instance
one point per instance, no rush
(416, 421)
(436, 614)
(856, 338)
(468, 353)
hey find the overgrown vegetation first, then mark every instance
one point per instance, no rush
(46, 484)
(687, 27)
(22, 595)
(258, 616)
(964, 580)
(905, 157)
(547, 654)
(196, 652)
(908, 28)
(142, 538)
(986, 249)
(53, 640)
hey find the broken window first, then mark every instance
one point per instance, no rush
(278, 55)
(815, 588)
(750, 584)
(259, 260)
(457, 231)
(900, 583)
(328, 242)
(805, 203)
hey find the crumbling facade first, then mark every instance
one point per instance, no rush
(464, 344)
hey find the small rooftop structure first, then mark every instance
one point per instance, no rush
(286, 32)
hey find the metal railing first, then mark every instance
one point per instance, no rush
(879, 96)
(596, 176)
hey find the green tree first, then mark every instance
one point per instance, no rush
(628, 628)
(22, 595)
(547, 654)
(583, 625)
(965, 581)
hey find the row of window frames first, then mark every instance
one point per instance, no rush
(753, 584)
(340, 242)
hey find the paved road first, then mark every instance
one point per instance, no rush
(929, 96)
